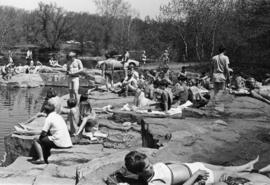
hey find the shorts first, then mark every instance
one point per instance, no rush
(73, 83)
(193, 167)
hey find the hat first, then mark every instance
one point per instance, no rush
(72, 54)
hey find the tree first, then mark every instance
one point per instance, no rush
(54, 24)
(118, 16)
(7, 26)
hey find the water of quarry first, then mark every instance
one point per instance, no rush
(18, 105)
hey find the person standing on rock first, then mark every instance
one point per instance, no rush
(125, 59)
(74, 68)
(143, 57)
(164, 59)
(220, 71)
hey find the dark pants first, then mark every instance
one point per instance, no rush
(46, 146)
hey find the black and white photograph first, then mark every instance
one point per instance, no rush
(134, 92)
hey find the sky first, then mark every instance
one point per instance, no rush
(144, 7)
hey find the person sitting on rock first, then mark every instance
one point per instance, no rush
(135, 74)
(180, 93)
(182, 76)
(54, 63)
(6, 72)
(205, 81)
(165, 96)
(179, 173)
(54, 135)
(129, 84)
(87, 119)
(167, 75)
(140, 100)
(73, 115)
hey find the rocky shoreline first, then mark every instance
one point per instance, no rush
(235, 135)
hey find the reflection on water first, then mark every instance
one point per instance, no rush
(19, 104)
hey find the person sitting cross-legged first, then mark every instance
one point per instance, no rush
(54, 135)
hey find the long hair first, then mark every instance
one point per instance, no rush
(85, 106)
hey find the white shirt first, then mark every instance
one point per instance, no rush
(58, 129)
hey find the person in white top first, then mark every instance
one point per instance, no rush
(54, 135)
(74, 68)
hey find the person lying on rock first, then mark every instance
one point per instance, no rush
(54, 134)
(258, 91)
(87, 118)
(179, 173)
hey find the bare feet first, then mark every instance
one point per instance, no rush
(265, 169)
(38, 161)
(250, 165)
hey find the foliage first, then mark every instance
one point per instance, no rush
(191, 30)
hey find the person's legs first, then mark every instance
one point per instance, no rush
(218, 87)
(76, 85)
(246, 167)
(39, 151)
(82, 126)
(72, 120)
(256, 95)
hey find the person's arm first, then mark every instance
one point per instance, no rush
(92, 115)
(256, 95)
(165, 101)
(226, 70)
(65, 110)
(80, 68)
(200, 173)
(211, 69)
(39, 114)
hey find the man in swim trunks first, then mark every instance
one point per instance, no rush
(74, 67)
(179, 173)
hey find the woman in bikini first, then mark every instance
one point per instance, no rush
(180, 173)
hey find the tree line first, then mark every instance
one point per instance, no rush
(192, 30)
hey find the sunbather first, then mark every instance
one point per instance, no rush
(179, 173)
(257, 91)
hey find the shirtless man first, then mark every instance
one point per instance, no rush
(74, 68)
(179, 173)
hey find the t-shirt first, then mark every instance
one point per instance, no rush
(58, 129)
(220, 63)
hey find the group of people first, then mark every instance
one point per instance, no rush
(57, 132)
(10, 69)
(162, 89)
